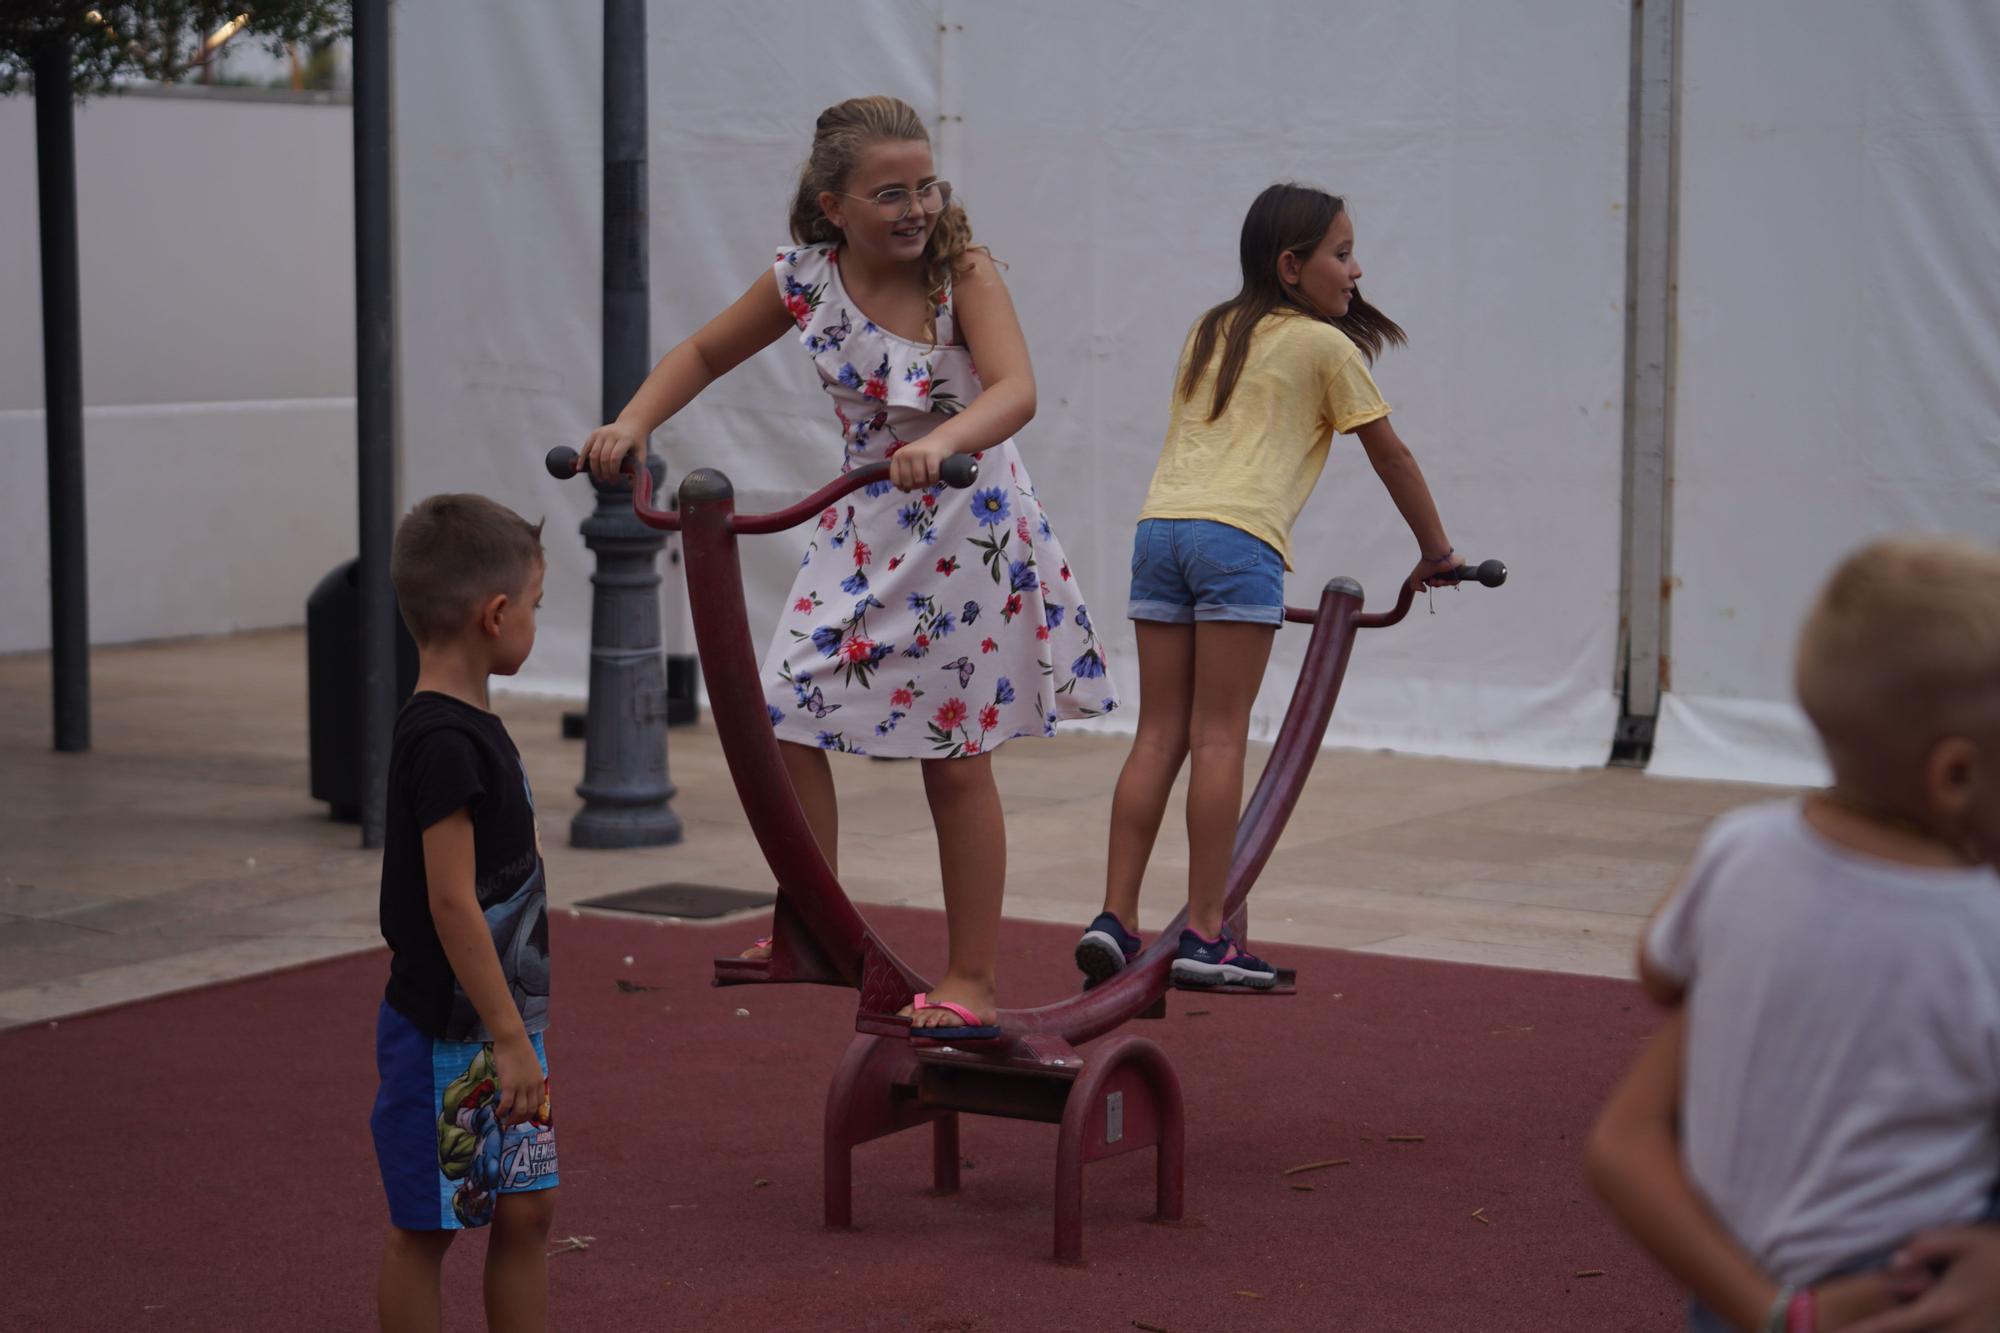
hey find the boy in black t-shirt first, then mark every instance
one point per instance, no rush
(462, 1126)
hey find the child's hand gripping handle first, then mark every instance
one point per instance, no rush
(958, 472)
(563, 463)
(1487, 573)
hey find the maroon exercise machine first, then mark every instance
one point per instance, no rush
(1119, 1096)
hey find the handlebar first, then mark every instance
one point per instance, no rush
(1487, 573)
(958, 472)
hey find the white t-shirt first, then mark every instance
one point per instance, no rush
(1842, 1082)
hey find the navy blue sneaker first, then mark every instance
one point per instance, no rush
(1205, 964)
(1105, 948)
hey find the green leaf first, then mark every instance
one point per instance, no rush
(111, 41)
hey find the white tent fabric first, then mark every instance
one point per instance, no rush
(1839, 371)
(497, 183)
(1106, 153)
(1838, 349)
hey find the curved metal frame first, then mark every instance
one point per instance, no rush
(819, 935)
(1153, 1119)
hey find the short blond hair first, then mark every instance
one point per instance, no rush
(452, 552)
(1901, 650)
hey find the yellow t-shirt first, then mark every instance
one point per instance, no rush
(1253, 466)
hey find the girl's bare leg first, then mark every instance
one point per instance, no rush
(812, 775)
(1229, 660)
(972, 855)
(1166, 689)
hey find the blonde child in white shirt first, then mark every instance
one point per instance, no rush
(1829, 1083)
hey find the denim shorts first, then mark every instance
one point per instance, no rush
(1189, 569)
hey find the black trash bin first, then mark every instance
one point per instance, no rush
(333, 688)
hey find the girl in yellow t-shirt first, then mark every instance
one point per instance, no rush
(1265, 380)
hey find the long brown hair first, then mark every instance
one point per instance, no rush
(842, 131)
(1285, 218)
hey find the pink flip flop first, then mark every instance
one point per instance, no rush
(971, 1030)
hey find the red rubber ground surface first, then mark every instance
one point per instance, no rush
(203, 1161)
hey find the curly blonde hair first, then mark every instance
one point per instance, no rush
(842, 132)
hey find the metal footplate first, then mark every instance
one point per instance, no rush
(1287, 984)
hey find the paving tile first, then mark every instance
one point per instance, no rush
(37, 900)
(185, 847)
(91, 947)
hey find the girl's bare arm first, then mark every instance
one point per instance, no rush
(752, 322)
(1006, 401)
(1397, 467)
(449, 865)
(1634, 1161)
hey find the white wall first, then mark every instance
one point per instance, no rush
(216, 244)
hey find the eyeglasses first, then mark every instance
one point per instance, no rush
(895, 203)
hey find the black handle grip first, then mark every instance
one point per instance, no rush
(1489, 573)
(561, 462)
(959, 471)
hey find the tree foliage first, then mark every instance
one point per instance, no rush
(110, 40)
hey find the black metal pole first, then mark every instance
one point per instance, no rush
(625, 788)
(62, 394)
(627, 328)
(374, 367)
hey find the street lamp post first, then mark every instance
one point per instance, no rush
(625, 788)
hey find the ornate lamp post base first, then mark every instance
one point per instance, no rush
(625, 788)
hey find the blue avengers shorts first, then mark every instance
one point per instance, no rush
(1189, 569)
(444, 1155)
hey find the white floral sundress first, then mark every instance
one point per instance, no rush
(928, 624)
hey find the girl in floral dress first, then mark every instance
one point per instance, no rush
(925, 622)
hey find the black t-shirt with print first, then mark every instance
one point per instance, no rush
(448, 756)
